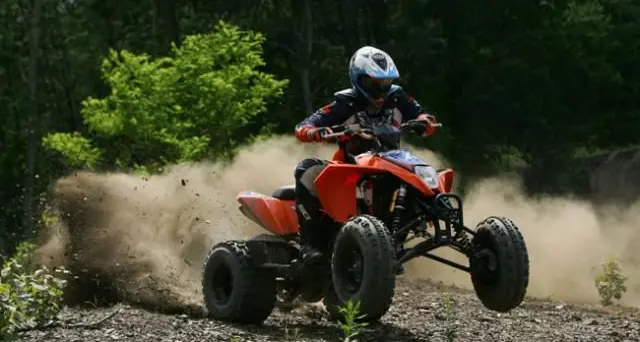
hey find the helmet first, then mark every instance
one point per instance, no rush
(372, 71)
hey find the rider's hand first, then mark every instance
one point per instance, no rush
(418, 126)
(424, 125)
(317, 134)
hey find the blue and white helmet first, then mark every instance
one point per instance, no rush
(372, 71)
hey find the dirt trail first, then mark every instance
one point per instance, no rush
(418, 314)
(148, 237)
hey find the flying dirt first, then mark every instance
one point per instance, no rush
(145, 239)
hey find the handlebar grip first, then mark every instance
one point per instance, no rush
(332, 135)
(420, 123)
(338, 128)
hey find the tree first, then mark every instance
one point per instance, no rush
(185, 107)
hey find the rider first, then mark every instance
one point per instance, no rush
(372, 72)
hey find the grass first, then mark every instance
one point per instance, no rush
(449, 314)
(351, 327)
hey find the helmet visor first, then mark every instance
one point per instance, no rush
(375, 87)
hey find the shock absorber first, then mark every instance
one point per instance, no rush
(398, 210)
(396, 224)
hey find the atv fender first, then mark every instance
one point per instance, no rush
(275, 215)
(446, 179)
(336, 188)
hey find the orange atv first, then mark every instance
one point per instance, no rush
(373, 204)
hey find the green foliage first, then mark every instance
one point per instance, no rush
(74, 147)
(450, 330)
(29, 296)
(291, 334)
(174, 109)
(611, 282)
(351, 327)
(49, 217)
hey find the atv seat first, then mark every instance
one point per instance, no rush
(287, 192)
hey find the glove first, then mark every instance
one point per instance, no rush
(418, 126)
(317, 134)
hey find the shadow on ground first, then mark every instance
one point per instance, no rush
(323, 330)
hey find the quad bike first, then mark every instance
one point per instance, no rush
(372, 202)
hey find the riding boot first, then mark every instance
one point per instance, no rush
(308, 209)
(309, 215)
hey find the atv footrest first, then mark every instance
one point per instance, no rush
(271, 253)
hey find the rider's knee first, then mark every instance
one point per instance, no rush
(305, 165)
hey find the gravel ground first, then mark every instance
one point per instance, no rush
(418, 314)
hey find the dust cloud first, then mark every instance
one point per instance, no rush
(145, 239)
(567, 240)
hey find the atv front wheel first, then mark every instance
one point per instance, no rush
(499, 264)
(363, 268)
(234, 290)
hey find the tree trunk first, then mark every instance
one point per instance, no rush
(347, 26)
(301, 10)
(378, 21)
(307, 47)
(33, 131)
(169, 21)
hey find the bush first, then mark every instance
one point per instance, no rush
(29, 297)
(610, 283)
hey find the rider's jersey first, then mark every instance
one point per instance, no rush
(342, 111)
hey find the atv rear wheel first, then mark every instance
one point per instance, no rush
(499, 264)
(234, 290)
(362, 268)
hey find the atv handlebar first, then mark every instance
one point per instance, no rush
(356, 129)
(340, 130)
